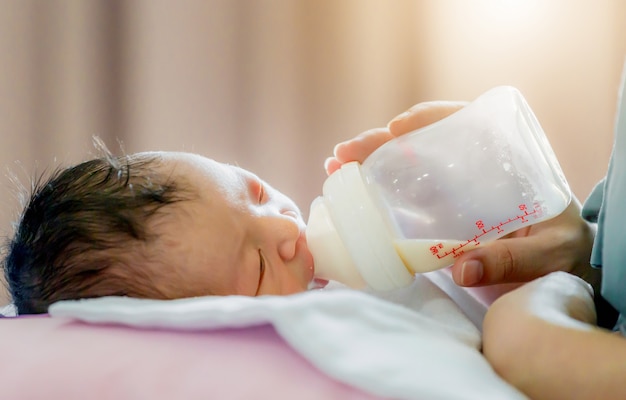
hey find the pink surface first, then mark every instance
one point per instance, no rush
(48, 358)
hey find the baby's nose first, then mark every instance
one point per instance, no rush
(290, 233)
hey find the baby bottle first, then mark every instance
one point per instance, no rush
(424, 198)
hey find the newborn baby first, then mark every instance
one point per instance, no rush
(159, 225)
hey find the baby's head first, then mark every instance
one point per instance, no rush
(155, 225)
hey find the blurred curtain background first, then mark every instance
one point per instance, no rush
(272, 85)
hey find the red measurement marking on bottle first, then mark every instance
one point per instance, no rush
(536, 212)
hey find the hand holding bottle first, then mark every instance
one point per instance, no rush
(562, 243)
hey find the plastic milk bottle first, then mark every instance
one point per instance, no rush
(424, 198)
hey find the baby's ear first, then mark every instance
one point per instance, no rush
(423, 114)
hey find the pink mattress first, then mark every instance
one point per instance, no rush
(48, 358)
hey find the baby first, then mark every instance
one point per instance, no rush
(158, 225)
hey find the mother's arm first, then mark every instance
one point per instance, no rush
(542, 339)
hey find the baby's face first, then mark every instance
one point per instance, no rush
(236, 235)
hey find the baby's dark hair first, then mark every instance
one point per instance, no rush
(85, 232)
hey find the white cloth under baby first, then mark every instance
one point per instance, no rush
(414, 344)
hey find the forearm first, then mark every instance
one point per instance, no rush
(549, 354)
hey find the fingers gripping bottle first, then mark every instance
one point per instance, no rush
(425, 198)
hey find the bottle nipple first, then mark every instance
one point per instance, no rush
(331, 258)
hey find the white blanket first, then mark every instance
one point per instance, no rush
(414, 343)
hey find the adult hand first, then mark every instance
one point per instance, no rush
(361, 146)
(562, 243)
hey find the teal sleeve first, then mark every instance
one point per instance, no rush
(607, 206)
(594, 212)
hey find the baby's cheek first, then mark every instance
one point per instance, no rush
(178, 270)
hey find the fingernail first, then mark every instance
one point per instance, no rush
(328, 161)
(471, 272)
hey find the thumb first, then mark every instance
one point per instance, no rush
(507, 260)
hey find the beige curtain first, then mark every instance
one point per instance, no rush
(59, 86)
(272, 85)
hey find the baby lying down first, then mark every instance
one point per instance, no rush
(160, 225)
